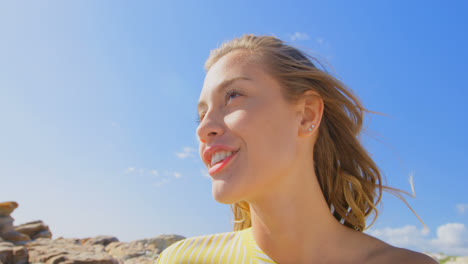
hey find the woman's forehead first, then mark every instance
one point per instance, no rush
(234, 64)
(227, 67)
(233, 60)
(238, 66)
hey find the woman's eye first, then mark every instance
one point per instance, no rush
(230, 93)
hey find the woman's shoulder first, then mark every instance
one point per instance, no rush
(198, 248)
(390, 254)
(380, 252)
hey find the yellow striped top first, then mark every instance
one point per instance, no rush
(229, 247)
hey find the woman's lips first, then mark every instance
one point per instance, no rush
(220, 165)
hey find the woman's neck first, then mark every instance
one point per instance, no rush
(292, 221)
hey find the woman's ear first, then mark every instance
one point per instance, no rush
(310, 110)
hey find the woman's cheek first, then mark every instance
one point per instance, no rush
(237, 120)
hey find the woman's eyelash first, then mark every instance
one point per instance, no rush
(228, 93)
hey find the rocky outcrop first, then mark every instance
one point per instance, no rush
(99, 250)
(7, 231)
(34, 230)
(32, 243)
(9, 253)
(141, 251)
(6, 208)
(99, 240)
(64, 250)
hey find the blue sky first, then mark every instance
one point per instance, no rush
(98, 109)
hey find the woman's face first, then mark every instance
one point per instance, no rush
(253, 119)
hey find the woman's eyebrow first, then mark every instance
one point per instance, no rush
(221, 87)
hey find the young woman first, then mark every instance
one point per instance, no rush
(280, 139)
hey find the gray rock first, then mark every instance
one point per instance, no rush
(6, 224)
(96, 250)
(100, 240)
(6, 244)
(20, 255)
(141, 251)
(15, 237)
(32, 228)
(67, 251)
(6, 254)
(10, 253)
(161, 242)
(43, 234)
(6, 208)
(6, 220)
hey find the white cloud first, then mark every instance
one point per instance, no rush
(141, 171)
(187, 152)
(407, 236)
(299, 36)
(451, 238)
(130, 170)
(161, 183)
(319, 40)
(462, 208)
(160, 179)
(205, 173)
(322, 43)
(133, 169)
(115, 124)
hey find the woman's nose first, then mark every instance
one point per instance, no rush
(208, 128)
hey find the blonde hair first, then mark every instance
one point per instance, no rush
(350, 181)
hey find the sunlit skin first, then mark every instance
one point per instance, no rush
(274, 169)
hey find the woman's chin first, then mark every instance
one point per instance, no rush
(225, 196)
